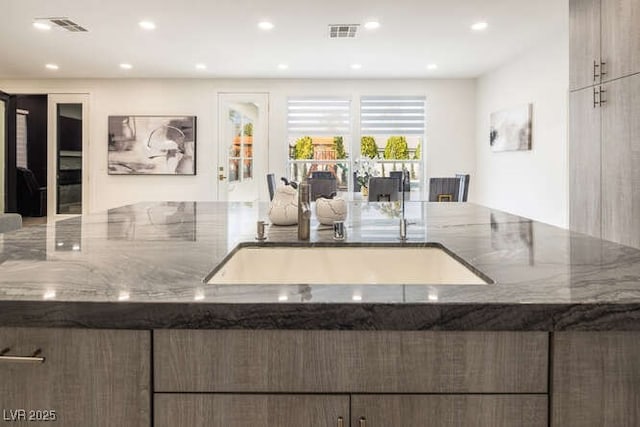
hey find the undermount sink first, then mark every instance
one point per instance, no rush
(344, 265)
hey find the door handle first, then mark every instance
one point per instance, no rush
(221, 177)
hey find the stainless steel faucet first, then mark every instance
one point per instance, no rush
(403, 220)
(304, 210)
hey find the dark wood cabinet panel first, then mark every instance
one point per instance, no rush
(596, 379)
(449, 411)
(97, 378)
(246, 410)
(350, 361)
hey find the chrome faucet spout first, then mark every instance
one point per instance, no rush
(304, 210)
(403, 220)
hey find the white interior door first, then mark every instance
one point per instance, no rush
(243, 146)
(68, 155)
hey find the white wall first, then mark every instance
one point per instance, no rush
(451, 132)
(529, 183)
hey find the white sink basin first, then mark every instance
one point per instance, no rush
(348, 265)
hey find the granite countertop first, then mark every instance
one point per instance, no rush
(142, 266)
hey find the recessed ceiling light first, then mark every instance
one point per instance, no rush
(52, 66)
(265, 25)
(432, 67)
(283, 66)
(372, 25)
(283, 298)
(147, 25)
(356, 297)
(41, 25)
(123, 296)
(126, 66)
(201, 67)
(356, 66)
(479, 26)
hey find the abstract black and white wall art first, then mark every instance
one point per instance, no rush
(152, 145)
(511, 129)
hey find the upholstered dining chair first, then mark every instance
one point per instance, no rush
(271, 184)
(444, 189)
(383, 189)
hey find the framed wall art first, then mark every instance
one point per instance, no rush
(511, 129)
(152, 145)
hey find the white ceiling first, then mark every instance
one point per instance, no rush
(223, 34)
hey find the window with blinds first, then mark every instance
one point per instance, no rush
(21, 138)
(392, 115)
(318, 116)
(319, 135)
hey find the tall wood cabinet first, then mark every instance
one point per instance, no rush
(604, 111)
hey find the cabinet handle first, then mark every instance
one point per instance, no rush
(362, 422)
(596, 95)
(340, 422)
(596, 75)
(601, 99)
(34, 358)
(602, 71)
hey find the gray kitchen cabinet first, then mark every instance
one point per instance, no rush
(584, 43)
(604, 41)
(620, 38)
(620, 161)
(584, 162)
(350, 361)
(596, 379)
(80, 377)
(251, 410)
(449, 410)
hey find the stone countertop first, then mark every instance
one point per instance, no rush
(142, 266)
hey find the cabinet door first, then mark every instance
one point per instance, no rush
(246, 410)
(596, 379)
(620, 38)
(584, 163)
(584, 42)
(620, 161)
(449, 410)
(96, 378)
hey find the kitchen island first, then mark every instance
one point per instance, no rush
(120, 297)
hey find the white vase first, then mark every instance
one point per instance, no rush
(330, 210)
(283, 209)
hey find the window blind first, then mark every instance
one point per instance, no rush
(21, 138)
(392, 115)
(318, 116)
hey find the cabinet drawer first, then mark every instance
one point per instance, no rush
(246, 410)
(350, 361)
(96, 378)
(450, 411)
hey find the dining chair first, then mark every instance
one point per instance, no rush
(463, 191)
(383, 189)
(444, 189)
(323, 187)
(271, 184)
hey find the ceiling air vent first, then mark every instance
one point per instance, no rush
(342, 31)
(66, 24)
